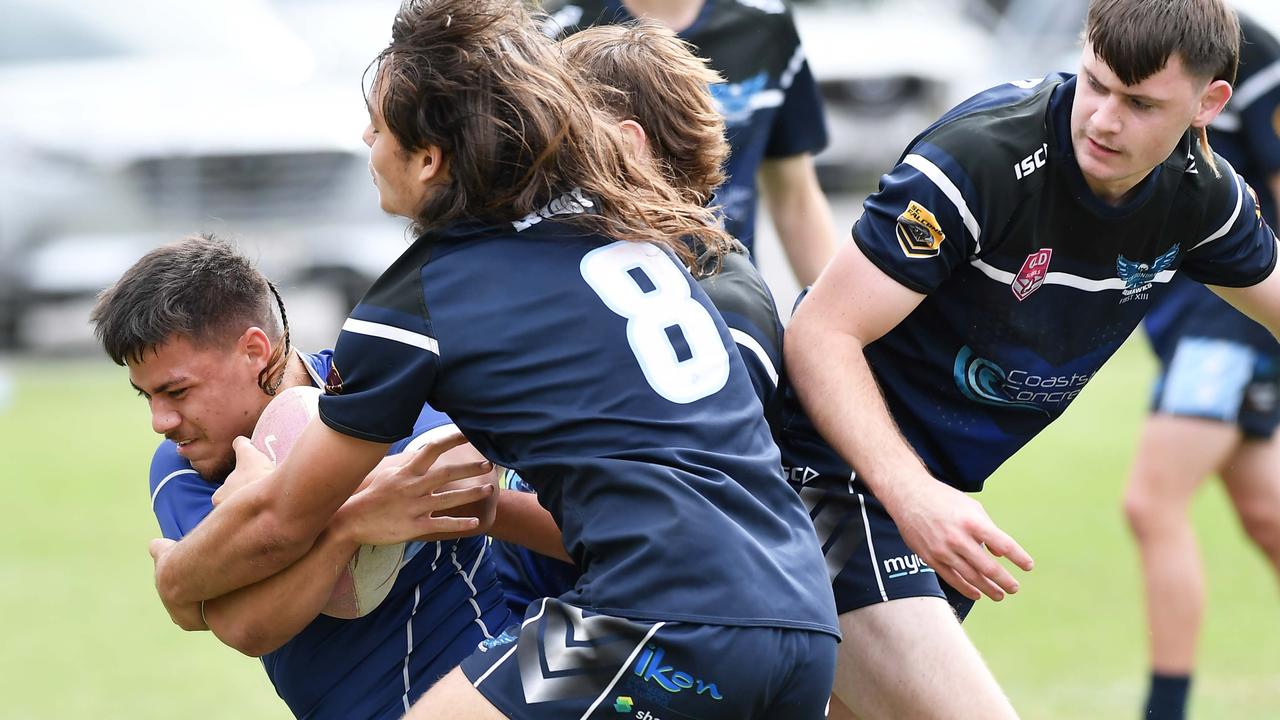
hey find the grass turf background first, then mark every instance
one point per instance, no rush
(84, 635)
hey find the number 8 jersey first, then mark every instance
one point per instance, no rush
(600, 372)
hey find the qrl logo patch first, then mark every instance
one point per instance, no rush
(1031, 276)
(919, 233)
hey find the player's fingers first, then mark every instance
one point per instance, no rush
(426, 456)
(247, 455)
(992, 577)
(1002, 545)
(159, 546)
(444, 499)
(979, 576)
(432, 526)
(955, 580)
(445, 474)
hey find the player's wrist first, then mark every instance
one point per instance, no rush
(342, 528)
(895, 490)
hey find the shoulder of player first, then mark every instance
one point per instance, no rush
(995, 128)
(1224, 192)
(738, 289)
(168, 468)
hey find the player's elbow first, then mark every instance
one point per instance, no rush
(247, 635)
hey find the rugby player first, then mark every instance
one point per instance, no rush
(545, 307)
(770, 104)
(205, 337)
(657, 90)
(1018, 242)
(1215, 405)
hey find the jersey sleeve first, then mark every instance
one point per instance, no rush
(918, 228)
(1238, 248)
(385, 361)
(431, 424)
(800, 126)
(180, 498)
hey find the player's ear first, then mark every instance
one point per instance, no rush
(636, 139)
(1212, 100)
(255, 345)
(430, 161)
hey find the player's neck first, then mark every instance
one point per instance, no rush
(1118, 193)
(295, 372)
(675, 14)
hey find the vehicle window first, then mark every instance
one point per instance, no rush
(32, 32)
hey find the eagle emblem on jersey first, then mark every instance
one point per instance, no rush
(1034, 270)
(918, 232)
(1139, 276)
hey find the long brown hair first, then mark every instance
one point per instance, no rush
(659, 82)
(518, 127)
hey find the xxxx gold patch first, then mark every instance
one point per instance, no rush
(919, 233)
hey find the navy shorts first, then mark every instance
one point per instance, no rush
(1223, 380)
(867, 559)
(563, 662)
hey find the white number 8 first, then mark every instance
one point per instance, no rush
(611, 271)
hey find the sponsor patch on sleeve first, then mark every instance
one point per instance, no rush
(919, 233)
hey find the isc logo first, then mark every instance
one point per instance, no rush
(1032, 162)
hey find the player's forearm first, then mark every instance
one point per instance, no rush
(238, 544)
(258, 619)
(270, 523)
(522, 521)
(829, 372)
(801, 215)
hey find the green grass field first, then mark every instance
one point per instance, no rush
(84, 635)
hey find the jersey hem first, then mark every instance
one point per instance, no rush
(357, 434)
(715, 620)
(1263, 276)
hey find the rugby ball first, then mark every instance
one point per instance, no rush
(372, 571)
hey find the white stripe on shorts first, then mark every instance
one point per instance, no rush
(871, 547)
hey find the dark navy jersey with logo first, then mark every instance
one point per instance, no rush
(769, 98)
(1031, 281)
(445, 601)
(1247, 134)
(601, 373)
(740, 294)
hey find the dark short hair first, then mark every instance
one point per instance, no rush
(200, 288)
(1137, 37)
(659, 82)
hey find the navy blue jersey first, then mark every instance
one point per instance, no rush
(446, 600)
(1247, 134)
(600, 372)
(740, 294)
(1031, 281)
(769, 99)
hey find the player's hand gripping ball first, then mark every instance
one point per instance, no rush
(373, 569)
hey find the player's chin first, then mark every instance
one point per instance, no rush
(216, 468)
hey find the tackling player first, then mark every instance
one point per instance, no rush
(1215, 407)
(770, 104)
(544, 308)
(656, 89)
(198, 328)
(1017, 244)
